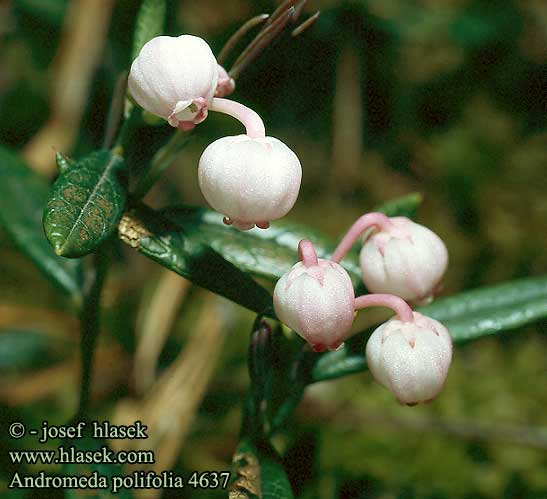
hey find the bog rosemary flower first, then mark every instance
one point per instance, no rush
(316, 299)
(410, 357)
(175, 78)
(398, 256)
(250, 178)
(409, 354)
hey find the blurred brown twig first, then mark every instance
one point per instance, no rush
(526, 435)
(82, 43)
(286, 14)
(154, 322)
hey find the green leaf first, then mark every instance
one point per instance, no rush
(47, 11)
(278, 371)
(23, 350)
(490, 310)
(183, 252)
(272, 252)
(23, 195)
(468, 316)
(264, 253)
(150, 23)
(406, 206)
(334, 365)
(85, 204)
(259, 473)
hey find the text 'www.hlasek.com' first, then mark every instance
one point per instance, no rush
(76, 457)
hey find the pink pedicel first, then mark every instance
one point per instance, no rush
(306, 253)
(253, 123)
(362, 224)
(398, 305)
(398, 256)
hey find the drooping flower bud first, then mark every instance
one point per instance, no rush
(175, 78)
(405, 259)
(316, 299)
(250, 180)
(411, 359)
(226, 84)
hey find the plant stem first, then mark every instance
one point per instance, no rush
(306, 253)
(89, 322)
(300, 377)
(252, 121)
(116, 110)
(363, 223)
(238, 35)
(305, 25)
(260, 42)
(160, 162)
(398, 305)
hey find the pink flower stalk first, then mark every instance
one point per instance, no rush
(398, 256)
(398, 305)
(362, 224)
(254, 125)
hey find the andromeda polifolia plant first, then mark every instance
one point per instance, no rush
(304, 332)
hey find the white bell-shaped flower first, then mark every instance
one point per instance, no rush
(405, 259)
(175, 78)
(316, 299)
(250, 180)
(411, 359)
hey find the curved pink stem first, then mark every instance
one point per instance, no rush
(306, 253)
(357, 229)
(398, 305)
(252, 121)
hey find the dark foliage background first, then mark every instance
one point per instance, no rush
(379, 99)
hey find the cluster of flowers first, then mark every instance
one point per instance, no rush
(411, 353)
(250, 178)
(253, 179)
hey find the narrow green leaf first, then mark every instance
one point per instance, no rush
(406, 206)
(23, 350)
(185, 253)
(468, 316)
(259, 473)
(264, 253)
(272, 252)
(64, 163)
(23, 195)
(150, 23)
(486, 311)
(334, 365)
(85, 204)
(278, 371)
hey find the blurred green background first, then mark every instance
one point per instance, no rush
(378, 98)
